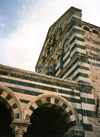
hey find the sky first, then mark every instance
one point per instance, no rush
(24, 25)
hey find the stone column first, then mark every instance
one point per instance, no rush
(19, 131)
(61, 58)
(19, 128)
(53, 62)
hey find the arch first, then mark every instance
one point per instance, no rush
(64, 22)
(9, 99)
(95, 31)
(86, 28)
(57, 102)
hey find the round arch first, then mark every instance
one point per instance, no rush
(95, 31)
(9, 99)
(65, 38)
(55, 101)
(86, 28)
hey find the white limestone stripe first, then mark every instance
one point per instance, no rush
(33, 82)
(67, 109)
(16, 110)
(4, 94)
(66, 63)
(77, 35)
(43, 100)
(60, 103)
(80, 116)
(92, 61)
(70, 119)
(76, 105)
(66, 55)
(83, 79)
(78, 42)
(58, 72)
(74, 66)
(58, 65)
(29, 112)
(34, 105)
(52, 100)
(24, 96)
(87, 106)
(87, 95)
(81, 71)
(41, 90)
(78, 50)
(11, 101)
(88, 120)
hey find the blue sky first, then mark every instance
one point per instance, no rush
(24, 25)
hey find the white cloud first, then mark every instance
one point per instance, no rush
(2, 25)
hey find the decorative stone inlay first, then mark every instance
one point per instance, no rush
(52, 60)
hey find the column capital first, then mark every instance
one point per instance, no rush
(60, 51)
(19, 127)
(76, 131)
(52, 60)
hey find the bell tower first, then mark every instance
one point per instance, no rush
(64, 53)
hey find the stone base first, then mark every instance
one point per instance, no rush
(75, 132)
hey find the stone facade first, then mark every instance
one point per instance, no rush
(60, 99)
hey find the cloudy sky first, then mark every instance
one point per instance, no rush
(24, 25)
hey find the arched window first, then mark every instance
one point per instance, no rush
(95, 31)
(86, 28)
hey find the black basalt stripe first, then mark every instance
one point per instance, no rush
(76, 68)
(84, 82)
(14, 106)
(92, 48)
(77, 46)
(95, 57)
(25, 91)
(33, 85)
(80, 74)
(87, 113)
(87, 127)
(71, 124)
(24, 101)
(72, 99)
(94, 64)
(79, 66)
(88, 100)
(32, 108)
(76, 38)
(66, 59)
(26, 84)
(69, 92)
(1, 91)
(39, 102)
(8, 97)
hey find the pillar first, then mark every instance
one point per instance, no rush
(61, 58)
(19, 127)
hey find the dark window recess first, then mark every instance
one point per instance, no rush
(86, 28)
(95, 32)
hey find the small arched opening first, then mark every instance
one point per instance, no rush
(50, 115)
(5, 120)
(95, 31)
(46, 122)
